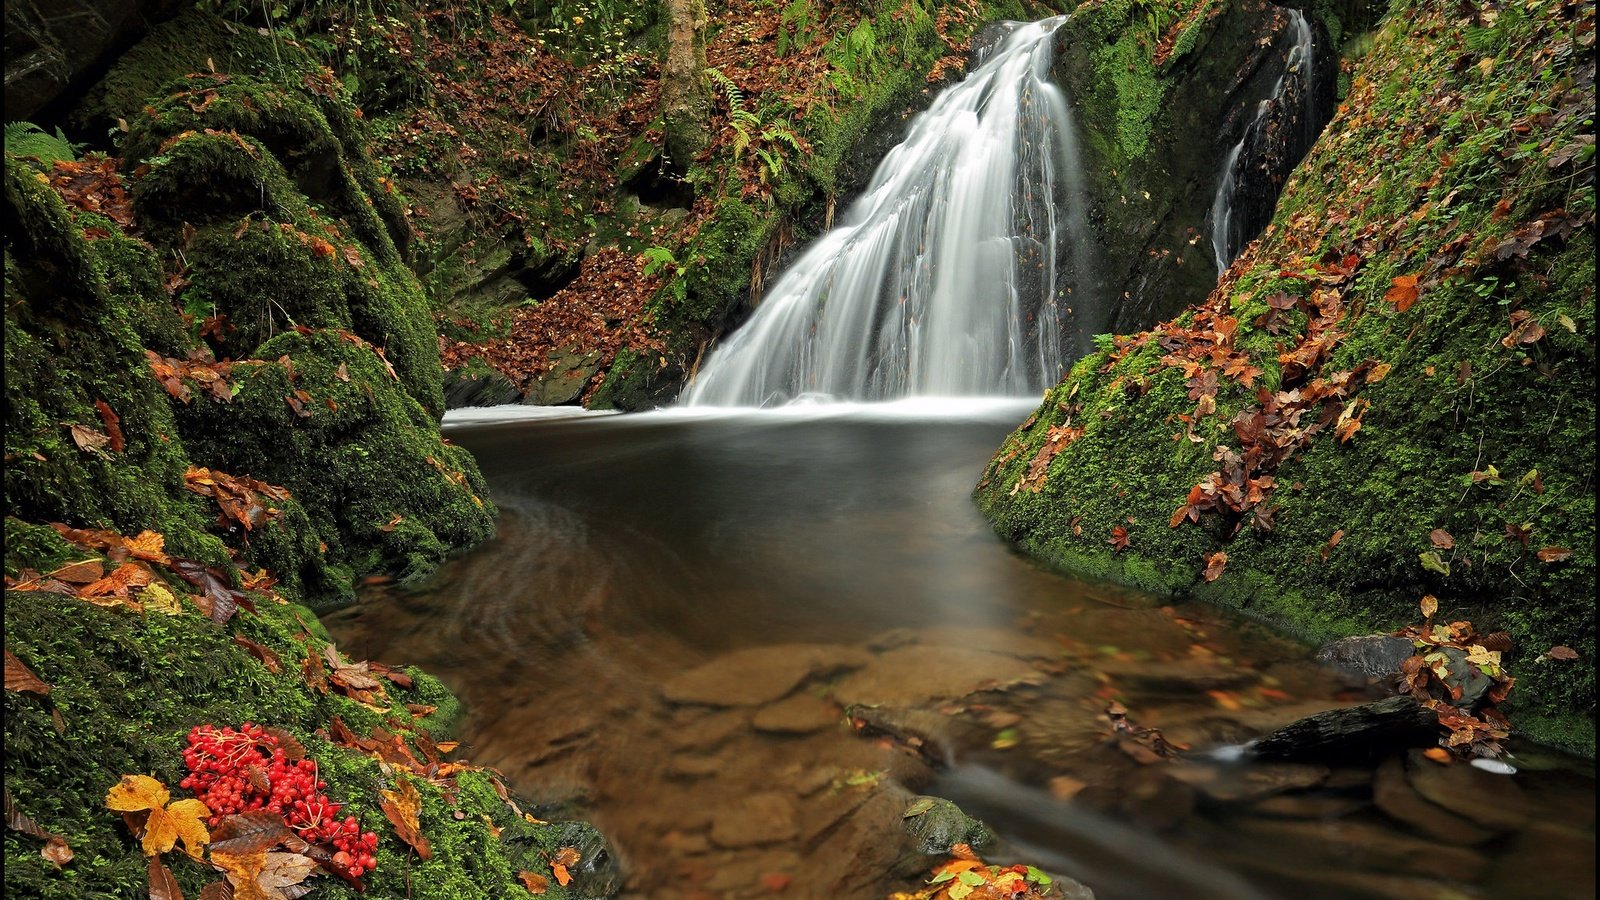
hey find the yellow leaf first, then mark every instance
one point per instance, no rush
(156, 598)
(1430, 605)
(243, 870)
(166, 824)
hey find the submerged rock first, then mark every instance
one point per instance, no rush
(909, 676)
(1340, 735)
(761, 674)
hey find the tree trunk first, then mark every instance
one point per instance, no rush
(685, 94)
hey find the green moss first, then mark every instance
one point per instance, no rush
(366, 462)
(36, 547)
(1428, 175)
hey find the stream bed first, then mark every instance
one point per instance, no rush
(741, 643)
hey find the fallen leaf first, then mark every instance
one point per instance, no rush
(1439, 755)
(282, 872)
(110, 420)
(261, 652)
(163, 884)
(1215, 563)
(55, 848)
(1429, 605)
(88, 439)
(1442, 539)
(1119, 539)
(167, 823)
(155, 597)
(1402, 293)
(1561, 652)
(21, 678)
(86, 572)
(1554, 554)
(401, 806)
(534, 882)
(1333, 541)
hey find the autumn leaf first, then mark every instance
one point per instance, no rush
(1119, 539)
(1561, 652)
(55, 848)
(535, 883)
(86, 572)
(1215, 563)
(1554, 554)
(402, 806)
(163, 884)
(156, 598)
(261, 652)
(167, 823)
(1333, 541)
(565, 859)
(256, 831)
(1429, 605)
(126, 576)
(1439, 755)
(1432, 562)
(88, 439)
(1402, 293)
(243, 871)
(21, 678)
(113, 429)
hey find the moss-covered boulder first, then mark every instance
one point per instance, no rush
(1391, 394)
(1162, 93)
(125, 689)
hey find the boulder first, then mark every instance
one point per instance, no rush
(1340, 735)
(1368, 655)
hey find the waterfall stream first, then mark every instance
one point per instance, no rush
(942, 278)
(1229, 233)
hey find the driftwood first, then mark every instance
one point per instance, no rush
(1353, 733)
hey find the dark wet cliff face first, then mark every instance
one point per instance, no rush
(1159, 117)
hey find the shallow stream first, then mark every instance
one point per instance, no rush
(741, 643)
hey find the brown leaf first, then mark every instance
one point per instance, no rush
(262, 652)
(256, 831)
(1215, 563)
(86, 572)
(1333, 541)
(217, 890)
(113, 429)
(55, 848)
(1119, 539)
(1403, 293)
(88, 439)
(1554, 554)
(1429, 605)
(1561, 652)
(402, 806)
(288, 743)
(535, 883)
(283, 873)
(1442, 539)
(127, 575)
(21, 678)
(163, 884)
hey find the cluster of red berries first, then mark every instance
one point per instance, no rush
(238, 771)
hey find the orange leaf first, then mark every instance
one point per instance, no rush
(1554, 554)
(1439, 755)
(402, 806)
(563, 877)
(535, 883)
(1403, 293)
(1215, 563)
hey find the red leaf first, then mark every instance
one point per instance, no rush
(1119, 539)
(113, 429)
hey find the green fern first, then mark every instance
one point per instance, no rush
(28, 139)
(658, 258)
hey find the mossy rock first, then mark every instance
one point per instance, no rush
(125, 690)
(365, 460)
(1462, 394)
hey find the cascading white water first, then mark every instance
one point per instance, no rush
(941, 278)
(1227, 235)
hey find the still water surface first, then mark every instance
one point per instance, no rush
(681, 606)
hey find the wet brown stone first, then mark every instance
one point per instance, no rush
(754, 820)
(799, 714)
(760, 674)
(915, 675)
(1243, 784)
(1394, 795)
(1493, 801)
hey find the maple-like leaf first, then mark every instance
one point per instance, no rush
(167, 823)
(402, 806)
(1119, 539)
(1402, 293)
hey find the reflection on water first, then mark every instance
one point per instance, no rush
(597, 643)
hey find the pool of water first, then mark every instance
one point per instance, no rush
(740, 642)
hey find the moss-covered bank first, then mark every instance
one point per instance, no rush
(1455, 161)
(233, 297)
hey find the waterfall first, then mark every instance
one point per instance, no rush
(943, 277)
(1229, 233)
